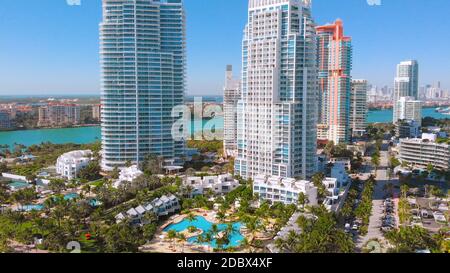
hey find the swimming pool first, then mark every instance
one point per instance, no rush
(206, 226)
(71, 196)
(18, 185)
(94, 203)
(31, 207)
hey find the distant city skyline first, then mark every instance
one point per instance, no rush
(58, 54)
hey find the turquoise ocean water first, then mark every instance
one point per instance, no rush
(85, 135)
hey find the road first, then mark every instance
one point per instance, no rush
(378, 199)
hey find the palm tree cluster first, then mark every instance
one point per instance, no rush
(319, 234)
(364, 209)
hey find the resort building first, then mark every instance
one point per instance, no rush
(406, 85)
(408, 108)
(221, 184)
(277, 115)
(128, 175)
(69, 164)
(421, 152)
(358, 107)
(335, 83)
(143, 61)
(59, 115)
(231, 96)
(163, 206)
(285, 190)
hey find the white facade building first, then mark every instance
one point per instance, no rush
(406, 84)
(285, 190)
(408, 108)
(231, 96)
(128, 175)
(420, 152)
(218, 184)
(69, 164)
(277, 120)
(163, 206)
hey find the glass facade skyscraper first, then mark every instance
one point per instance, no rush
(143, 78)
(277, 115)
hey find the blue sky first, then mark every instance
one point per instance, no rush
(49, 47)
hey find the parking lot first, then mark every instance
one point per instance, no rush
(389, 219)
(429, 213)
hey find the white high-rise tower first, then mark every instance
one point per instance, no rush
(406, 84)
(277, 116)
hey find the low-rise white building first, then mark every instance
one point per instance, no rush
(128, 175)
(221, 184)
(163, 206)
(69, 164)
(285, 190)
(420, 152)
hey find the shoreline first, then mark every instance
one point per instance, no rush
(51, 128)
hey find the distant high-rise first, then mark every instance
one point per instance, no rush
(278, 110)
(59, 114)
(231, 96)
(335, 64)
(143, 63)
(406, 83)
(408, 108)
(358, 107)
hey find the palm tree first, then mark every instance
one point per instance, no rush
(171, 235)
(427, 189)
(302, 200)
(191, 217)
(221, 216)
(149, 217)
(389, 188)
(404, 190)
(214, 229)
(317, 180)
(291, 239)
(280, 244)
(182, 239)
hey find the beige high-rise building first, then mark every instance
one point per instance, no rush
(59, 115)
(358, 107)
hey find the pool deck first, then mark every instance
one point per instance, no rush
(160, 243)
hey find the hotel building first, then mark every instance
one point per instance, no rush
(277, 115)
(283, 190)
(143, 63)
(335, 64)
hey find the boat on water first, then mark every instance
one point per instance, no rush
(443, 110)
